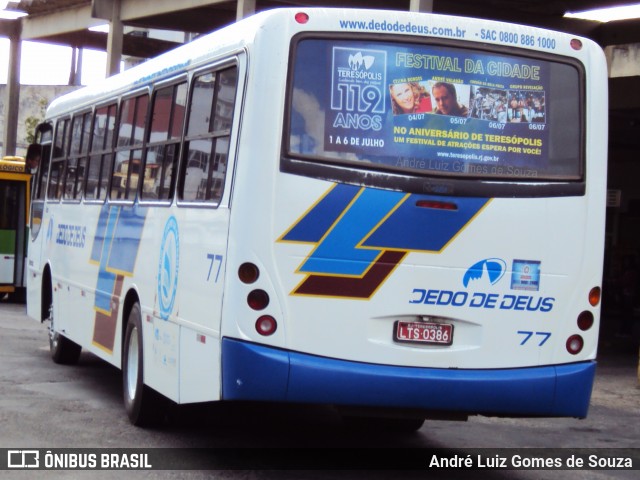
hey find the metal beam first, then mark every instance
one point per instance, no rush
(200, 20)
(63, 21)
(80, 39)
(135, 9)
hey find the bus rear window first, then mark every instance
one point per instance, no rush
(435, 110)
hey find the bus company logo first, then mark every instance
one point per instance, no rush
(478, 279)
(168, 268)
(486, 272)
(23, 459)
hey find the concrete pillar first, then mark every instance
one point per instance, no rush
(425, 6)
(114, 40)
(12, 96)
(75, 73)
(245, 8)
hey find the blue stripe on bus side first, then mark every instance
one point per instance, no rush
(316, 222)
(258, 372)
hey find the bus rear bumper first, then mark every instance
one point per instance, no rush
(261, 373)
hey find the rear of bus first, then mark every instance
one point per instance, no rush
(443, 255)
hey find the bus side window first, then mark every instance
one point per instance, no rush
(40, 183)
(84, 150)
(206, 149)
(58, 162)
(38, 157)
(167, 118)
(101, 155)
(128, 158)
(77, 156)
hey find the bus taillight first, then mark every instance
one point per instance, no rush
(574, 344)
(266, 325)
(594, 296)
(258, 299)
(585, 320)
(248, 273)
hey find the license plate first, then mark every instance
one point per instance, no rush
(423, 333)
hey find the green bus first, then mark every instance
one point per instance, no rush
(15, 189)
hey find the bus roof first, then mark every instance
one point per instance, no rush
(236, 36)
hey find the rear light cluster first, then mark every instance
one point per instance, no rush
(257, 299)
(585, 321)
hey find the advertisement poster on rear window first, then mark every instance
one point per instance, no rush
(438, 109)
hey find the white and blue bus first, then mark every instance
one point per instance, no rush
(394, 213)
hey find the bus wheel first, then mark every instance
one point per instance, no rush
(140, 402)
(63, 351)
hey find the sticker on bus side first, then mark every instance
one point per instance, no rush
(168, 266)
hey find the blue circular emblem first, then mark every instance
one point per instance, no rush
(168, 268)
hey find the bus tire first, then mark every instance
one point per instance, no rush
(140, 402)
(63, 351)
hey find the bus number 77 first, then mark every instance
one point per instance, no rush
(214, 259)
(527, 335)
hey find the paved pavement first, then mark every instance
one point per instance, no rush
(44, 405)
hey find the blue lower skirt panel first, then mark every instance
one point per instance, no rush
(257, 372)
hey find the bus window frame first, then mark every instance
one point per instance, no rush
(83, 153)
(165, 83)
(361, 173)
(44, 147)
(130, 148)
(55, 197)
(106, 150)
(233, 61)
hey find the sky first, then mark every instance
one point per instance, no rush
(46, 64)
